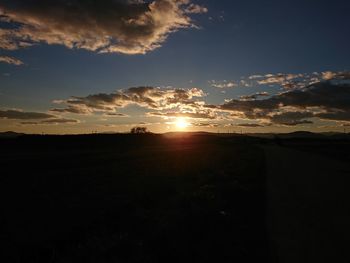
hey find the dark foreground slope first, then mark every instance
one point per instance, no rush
(308, 211)
(123, 198)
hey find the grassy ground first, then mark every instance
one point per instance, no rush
(123, 198)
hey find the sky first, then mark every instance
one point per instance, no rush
(74, 66)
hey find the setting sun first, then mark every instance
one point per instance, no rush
(181, 123)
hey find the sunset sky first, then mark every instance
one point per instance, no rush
(78, 66)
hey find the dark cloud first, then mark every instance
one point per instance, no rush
(71, 109)
(29, 123)
(254, 96)
(325, 95)
(337, 115)
(147, 97)
(123, 26)
(59, 121)
(51, 122)
(34, 118)
(292, 118)
(248, 125)
(22, 115)
(323, 100)
(205, 125)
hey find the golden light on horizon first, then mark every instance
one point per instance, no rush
(181, 123)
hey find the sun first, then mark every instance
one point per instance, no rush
(181, 123)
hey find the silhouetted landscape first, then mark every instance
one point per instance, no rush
(174, 131)
(177, 197)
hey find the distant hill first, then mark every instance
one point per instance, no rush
(10, 134)
(311, 135)
(292, 135)
(301, 134)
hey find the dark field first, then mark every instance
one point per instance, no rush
(154, 198)
(124, 198)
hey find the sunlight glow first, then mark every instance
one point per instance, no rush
(181, 123)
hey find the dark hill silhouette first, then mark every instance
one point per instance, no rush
(10, 134)
(176, 197)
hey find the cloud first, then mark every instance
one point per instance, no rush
(196, 9)
(290, 81)
(146, 97)
(248, 125)
(115, 114)
(329, 75)
(205, 125)
(51, 122)
(254, 96)
(121, 26)
(223, 84)
(287, 81)
(336, 115)
(71, 109)
(278, 78)
(322, 100)
(292, 118)
(22, 115)
(255, 76)
(34, 118)
(11, 60)
(59, 121)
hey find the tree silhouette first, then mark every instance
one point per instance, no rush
(139, 130)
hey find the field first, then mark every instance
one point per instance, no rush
(124, 198)
(169, 198)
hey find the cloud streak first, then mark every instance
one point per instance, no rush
(51, 122)
(248, 125)
(11, 60)
(34, 118)
(22, 115)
